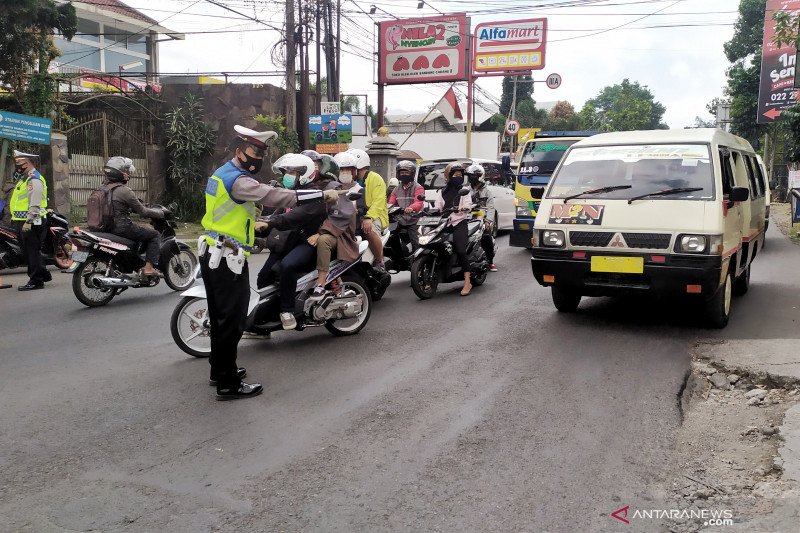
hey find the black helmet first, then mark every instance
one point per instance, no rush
(313, 154)
(117, 167)
(407, 166)
(328, 168)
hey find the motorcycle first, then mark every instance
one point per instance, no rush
(109, 264)
(343, 310)
(435, 261)
(398, 250)
(56, 245)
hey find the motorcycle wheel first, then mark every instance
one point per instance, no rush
(351, 326)
(190, 326)
(179, 273)
(61, 255)
(421, 269)
(478, 279)
(82, 286)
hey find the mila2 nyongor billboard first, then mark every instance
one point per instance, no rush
(422, 50)
(776, 91)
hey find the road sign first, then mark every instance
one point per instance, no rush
(422, 50)
(512, 127)
(509, 46)
(776, 87)
(331, 108)
(25, 128)
(553, 81)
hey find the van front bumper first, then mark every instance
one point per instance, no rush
(668, 278)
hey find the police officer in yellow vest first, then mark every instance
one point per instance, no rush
(29, 217)
(229, 224)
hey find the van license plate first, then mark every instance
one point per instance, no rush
(619, 265)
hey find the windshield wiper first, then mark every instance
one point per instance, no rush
(596, 191)
(665, 192)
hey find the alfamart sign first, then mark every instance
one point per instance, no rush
(501, 47)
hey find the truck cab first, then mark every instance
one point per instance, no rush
(539, 158)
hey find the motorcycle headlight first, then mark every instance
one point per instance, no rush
(426, 239)
(553, 238)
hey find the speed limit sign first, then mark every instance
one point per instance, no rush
(553, 81)
(512, 127)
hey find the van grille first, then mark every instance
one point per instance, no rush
(590, 238)
(653, 241)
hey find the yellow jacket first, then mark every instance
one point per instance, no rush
(375, 198)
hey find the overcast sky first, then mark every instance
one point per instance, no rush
(673, 47)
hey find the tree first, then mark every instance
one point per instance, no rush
(286, 141)
(562, 117)
(623, 107)
(529, 116)
(524, 91)
(26, 41)
(748, 30)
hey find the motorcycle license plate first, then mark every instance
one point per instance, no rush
(80, 257)
(618, 265)
(429, 221)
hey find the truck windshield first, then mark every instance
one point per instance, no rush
(542, 156)
(647, 169)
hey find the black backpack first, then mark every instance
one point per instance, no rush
(99, 209)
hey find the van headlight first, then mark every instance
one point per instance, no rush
(522, 208)
(688, 243)
(553, 238)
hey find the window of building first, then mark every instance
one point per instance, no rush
(88, 30)
(76, 55)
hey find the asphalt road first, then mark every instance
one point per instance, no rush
(490, 412)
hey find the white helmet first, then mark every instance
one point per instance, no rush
(295, 163)
(346, 159)
(362, 158)
(475, 169)
(394, 182)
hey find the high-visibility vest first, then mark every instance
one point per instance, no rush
(19, 198)
(225, 216)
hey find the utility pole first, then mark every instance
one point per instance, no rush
(302, 114)
(338, 47)
(290, 101)
(319, 64)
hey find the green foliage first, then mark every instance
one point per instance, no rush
(372, 116)
(623, 107)
(742, 91)
(529, 116)
(26, 29)
(350, 104)
(40, 95)
(748, 31)
(189, 142)
(524, 91)
(791, 121)
(285, 142)
(786, 28)
(563, 117)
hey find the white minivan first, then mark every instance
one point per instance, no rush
(672, 212)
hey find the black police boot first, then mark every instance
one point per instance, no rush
(244, 390)
(240, 373)
(31, 286)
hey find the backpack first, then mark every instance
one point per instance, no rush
(99, 209)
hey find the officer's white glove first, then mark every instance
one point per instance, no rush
(26, 227)
(331, 197)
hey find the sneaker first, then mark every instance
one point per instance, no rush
(318, 291)
(492, 268)
(288, 321)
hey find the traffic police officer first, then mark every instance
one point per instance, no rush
(229, 224)
(29, 217)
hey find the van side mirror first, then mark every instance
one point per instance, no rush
(537, 192)
(740, 194)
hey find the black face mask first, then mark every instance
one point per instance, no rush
(251, 164)
(474, 181)
(19, 169)
(456, 181)
(405, 179)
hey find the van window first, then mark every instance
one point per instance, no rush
(542, 157)
(432, 176)
(645, 168)
(751, 177)
(739, 170)
(762, 184)
(727, 171)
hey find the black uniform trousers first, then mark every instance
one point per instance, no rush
(228, 296)
(32, 244)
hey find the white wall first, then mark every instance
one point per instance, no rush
(441, 145)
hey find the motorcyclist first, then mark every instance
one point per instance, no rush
(449, 197)
(482, 196)
(406, 196)
(376, 218)
(392, 185)
(316, 157)
(118, 169)
(304, 221)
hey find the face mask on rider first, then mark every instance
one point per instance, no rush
(456, 181)
(405, 178)
(289, 181)
(474, 180)
(345, 177)
(250, 163)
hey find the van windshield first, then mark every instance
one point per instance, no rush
(646, 169)
(542, 157)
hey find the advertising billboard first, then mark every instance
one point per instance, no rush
(776, 88)
(500, 47)
(429, 49)
(330, 134)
